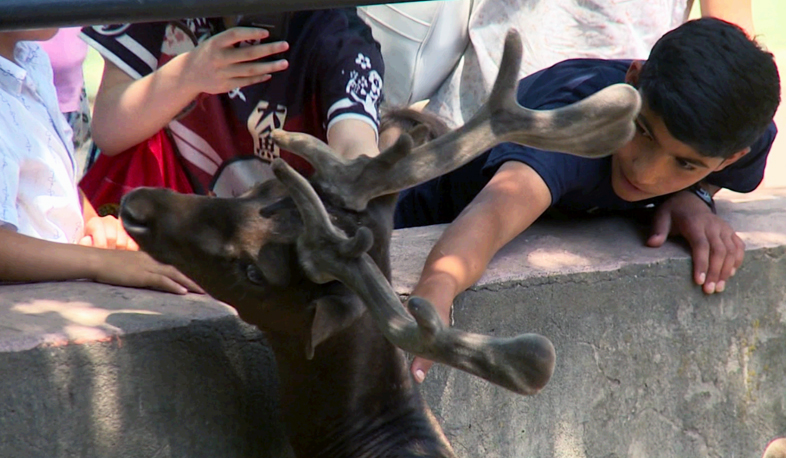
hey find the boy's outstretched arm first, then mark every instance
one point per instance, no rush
(128, 111)
(514, 198)
(28, 259)
(716, 248)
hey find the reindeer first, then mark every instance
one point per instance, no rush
(307, 261)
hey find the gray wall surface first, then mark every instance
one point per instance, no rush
(647, 365)
(89, 370)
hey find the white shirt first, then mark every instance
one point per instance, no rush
(551, 31)
(38, 193)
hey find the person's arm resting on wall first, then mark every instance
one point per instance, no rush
(28, 259)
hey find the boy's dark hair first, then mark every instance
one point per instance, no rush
(716, 89)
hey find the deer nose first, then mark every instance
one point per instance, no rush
(138, 212)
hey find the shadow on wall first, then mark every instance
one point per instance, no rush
(98, 388)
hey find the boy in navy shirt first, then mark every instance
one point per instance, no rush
(709, 96)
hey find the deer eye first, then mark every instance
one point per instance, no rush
(254, 275)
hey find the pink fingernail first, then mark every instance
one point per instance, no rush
(709, 288)
(420, 376)
(702, 277)
(721, 286)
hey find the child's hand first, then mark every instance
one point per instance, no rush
(217, 65)
(107, 232)
(420, 366)
(717, 250)
(138, 269)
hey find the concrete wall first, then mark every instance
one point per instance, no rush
(648, 366)
(89, 370)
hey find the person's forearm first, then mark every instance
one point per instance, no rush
(128, 111)
(463, 252)
(514, 198)
(24, 258)
(739, 12)
(456, 262)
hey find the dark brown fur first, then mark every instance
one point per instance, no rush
(274, 255)
(354, 398)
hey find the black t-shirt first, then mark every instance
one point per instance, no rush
(335, 72)
(576, 184)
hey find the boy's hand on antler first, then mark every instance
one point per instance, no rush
(138, 269)
(436, 286)
(420, 366)
(716, 248)
(219, 64)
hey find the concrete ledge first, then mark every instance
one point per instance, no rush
(89, 370)
(648, 366)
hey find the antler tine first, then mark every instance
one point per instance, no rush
(507, 78)
(313, 213)
(522, 364)
(593, 127)
(324, 160)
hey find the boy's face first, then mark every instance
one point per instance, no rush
(654, 163)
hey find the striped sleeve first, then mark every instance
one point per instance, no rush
(134, 48)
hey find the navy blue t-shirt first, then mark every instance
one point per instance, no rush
(577, 184)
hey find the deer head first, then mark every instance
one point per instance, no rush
(306, 258)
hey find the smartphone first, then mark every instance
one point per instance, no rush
(275, 23)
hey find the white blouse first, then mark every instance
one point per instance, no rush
(38, 192)
(551, 31)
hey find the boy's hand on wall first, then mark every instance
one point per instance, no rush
(107, 232)
(219, 65)
(716, 248)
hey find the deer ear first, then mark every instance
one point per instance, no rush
(332, 314)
